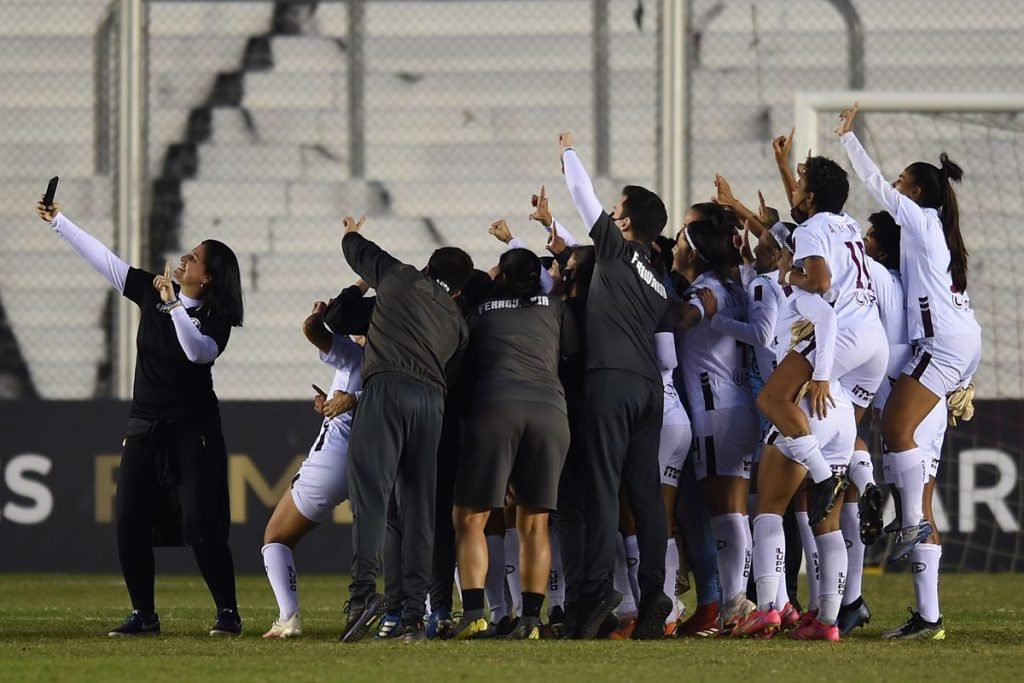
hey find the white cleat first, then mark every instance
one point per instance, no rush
(735, 611)
(285, 628)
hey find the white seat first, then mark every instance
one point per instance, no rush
(296, 90)
(307, 54)
(199, 18)
(462, 19)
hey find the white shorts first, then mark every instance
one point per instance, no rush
(836, 434)
(676, 440)
(321, 484)
(724, 441)
(945, 365)
(899, 356)
(861, 359)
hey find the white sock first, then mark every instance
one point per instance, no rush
(556, 579)
(805, 450)
(620, 581)
(832, 552)
(769, 560)
(748, 544)
(458, 581)
(494, 582)
(782, 595)
(515, 586)
(908, 470)
(671, 570)
(849, 524)
(277, 560)
(810, 559)
(633, 565)
(732, 534)
(924, 564)
(861, 472)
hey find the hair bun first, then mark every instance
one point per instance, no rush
(950, 169)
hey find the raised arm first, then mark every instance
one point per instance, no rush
(314, 330)
(92, 251)
(582, 192)
(369, 261)
(725, 197)
(781, 147)
(907, 214)
(542, 214)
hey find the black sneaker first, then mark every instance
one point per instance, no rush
(362, 614)
(822, 496)
(870, 508)
(566, 629)
(414, 633)
(593, 610)
(851, 616)
(917, 628)
(528, 628)
(893, 527)
(228, 623)
(650, 622)
(138, 624)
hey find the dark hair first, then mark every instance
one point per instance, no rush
(827, 180)
(519, 276)
(937, 193)
(662, 260)
(645, 211)
(224, 292)
(713, 213)
(586, 259)
(450, 265)
(715, 249)
(887, 234)
(477, 288)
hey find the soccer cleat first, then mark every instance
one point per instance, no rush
(789, 617)
(703, 623)
(907, 539)
(674, 619)
(806, 618)
(593, 611)
(735, 610)
(228, 623)
(815, 630)
(917, 628)
(528, 628)
(851, 616)
(892, 527)
(362, 614)
(650, 623)
(390, 626)
(414, 633)
(625, 629)
(285, 628)
(137, 624)
(759, 624)
(500, 629)
(870, 509)
(439, 623)
(469, 629)
(822, 496)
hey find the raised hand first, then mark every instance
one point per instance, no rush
(565, 141)
(723, 192)
(352, 225)
(767, 215)
(47, 213)
(556, 245)
(499, 229)
(846, 120)
(541, 212)
(164, 284)
(781, 147)
(742, 243)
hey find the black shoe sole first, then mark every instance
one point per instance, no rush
(374, 611)
(816, 512)
(870, 508)
(651, 626)
(590, 626)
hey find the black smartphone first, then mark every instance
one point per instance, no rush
(319, 391)
(51, 190)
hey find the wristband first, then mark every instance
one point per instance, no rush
(169, 306)
(789, 274)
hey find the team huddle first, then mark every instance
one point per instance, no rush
(587, 428)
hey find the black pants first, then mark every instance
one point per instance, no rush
(442, 580)
(623, 414)
(570, 516)
(394, 446)
(393, 557)
(172, 488)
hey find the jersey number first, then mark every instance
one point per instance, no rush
(860, 260)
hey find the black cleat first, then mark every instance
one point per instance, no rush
(414, 633)
(893, 527)
(594, 610)
(362, 614)
(870, 508)
(917, 628)
(822, 496)
(528, 628)
(852, 616)
(907, 539)
(650, 623)
(228, 623)
(137, 624)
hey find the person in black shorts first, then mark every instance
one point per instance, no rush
(172, 484)
(623, 397)
(516, 435)
(416, 334)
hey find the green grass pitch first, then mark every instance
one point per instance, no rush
(52, 628)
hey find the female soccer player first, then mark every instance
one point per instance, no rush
(173, 447)
(321, 483)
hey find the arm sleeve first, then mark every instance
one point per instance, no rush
(570, 239)
(665, 351)
(906, 213)
(369, 261)
(823, 316)
(607, 239)
(344, 354)
(104, 261)
(198, 348)
(762, 312)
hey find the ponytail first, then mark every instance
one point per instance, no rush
(937, 193)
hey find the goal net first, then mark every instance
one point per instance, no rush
(979, 488)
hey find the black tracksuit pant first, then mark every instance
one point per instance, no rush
(393, 445)
(623, 415)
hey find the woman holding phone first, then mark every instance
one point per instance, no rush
(174, 458)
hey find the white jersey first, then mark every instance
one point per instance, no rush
(892, 302)
(836, 238)
(713, 364)
(934, 309)
(763, 298)
(346, 357)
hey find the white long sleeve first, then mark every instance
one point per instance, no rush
(568, 237)
(198, 348)
(907, 214)
(104, 261)
(547, 282)
(665, 352)
(581, 189)
(823, 317)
